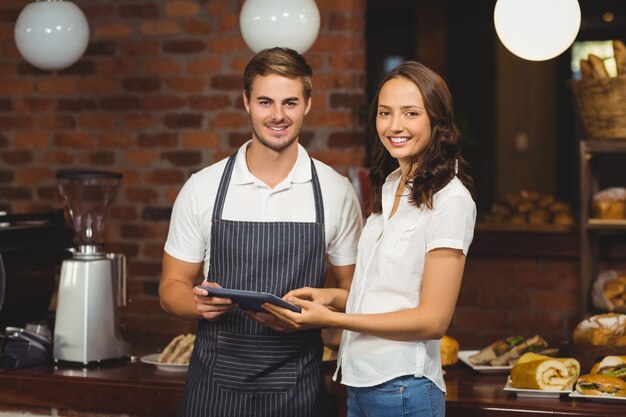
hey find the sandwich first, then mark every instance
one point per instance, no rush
(612, 366)
(598, 384)
(178, 351)
(533, 371)
(532, 344)
(497, 348)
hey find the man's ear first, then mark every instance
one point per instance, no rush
(308, 106)
(246, 104)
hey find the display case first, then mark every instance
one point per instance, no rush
(593, 231)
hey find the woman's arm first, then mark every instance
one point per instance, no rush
(443, 272)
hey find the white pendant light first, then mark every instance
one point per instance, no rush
(287, 23)
(537, 30)
(51, 34)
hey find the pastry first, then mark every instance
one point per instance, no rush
(610, 203)
(449, 351)
(533, 371)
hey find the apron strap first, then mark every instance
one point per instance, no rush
(218, 208)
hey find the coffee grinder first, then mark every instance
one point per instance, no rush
(92, 283)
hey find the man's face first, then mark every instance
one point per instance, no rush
(277, 108)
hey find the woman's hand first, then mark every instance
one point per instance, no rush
(211, 307)
(329, 297)
(313, 314)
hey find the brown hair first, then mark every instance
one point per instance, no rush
(436, 166)
(280, 61)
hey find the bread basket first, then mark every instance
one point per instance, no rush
(602, 106)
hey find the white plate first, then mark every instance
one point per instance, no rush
(576, 394)
(483, 369)
(151, 359)
(535, 393)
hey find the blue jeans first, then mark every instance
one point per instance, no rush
(401, 397)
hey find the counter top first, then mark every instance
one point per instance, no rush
(141, 389)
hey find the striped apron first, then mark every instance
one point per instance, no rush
(238, 367)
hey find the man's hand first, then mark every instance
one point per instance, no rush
(211, 307)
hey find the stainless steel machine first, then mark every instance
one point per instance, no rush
(92, 283)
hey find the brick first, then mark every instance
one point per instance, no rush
(477, 319)
(6, 105)
(559, 302)
(341, 159)
(170, 195)
(216, 7)
(59, 157)
(82, 68)
(160, 140)
(76, 104)
(113, 30)
(34, 104)
(342, 22)
(98, 85)
(238, 64)
(143, 47)
(161, 65)
(57, 86)
(57, 122)
(181, 8)
(156, 213)
(16, 87)
(97, 120)
(120, 103)
(227, 82)
(116, 140)
(6, 177)
(229, 22)
(17, 157)
(98, 158)
(101, 48)
(26, 69)
(197, 27)
(140, 158)
(165, 176)
(209, 102)
(8, 70)
(204, 65)
(15, 193)
(200, 140)
(330, 81)
(236, 139)
(73, 140)
(117, 66)
(141, 230)
(227, 45)
(139, 11)
(139, 121)
(346, 139)
(160, 27)
(356, 7)
(332, 119)
(183, 121)
(16, 122)
(347, 100)
(187, 84)
(30, 140)
(141, 195)
(161, 102)
(34, 175)
(183, 158)
(141, 84)
(230, 120)
(4, 141)
(183, 46)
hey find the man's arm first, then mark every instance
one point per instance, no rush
(176, 287)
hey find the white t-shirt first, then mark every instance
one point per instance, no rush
(249, 199)
(388, 277)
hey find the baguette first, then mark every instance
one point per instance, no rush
(619, 51)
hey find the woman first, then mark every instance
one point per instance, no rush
(411, 254)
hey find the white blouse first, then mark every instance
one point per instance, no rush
(388, 277)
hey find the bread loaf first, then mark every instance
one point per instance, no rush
(598, 68)
(602, 329)
(619, 51)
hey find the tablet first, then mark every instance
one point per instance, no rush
(250, 300)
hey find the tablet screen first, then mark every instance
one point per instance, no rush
(250, 300)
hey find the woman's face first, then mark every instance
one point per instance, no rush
(402, 123)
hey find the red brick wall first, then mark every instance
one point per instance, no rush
(157, 96)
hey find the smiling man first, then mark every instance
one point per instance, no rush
(268, 218)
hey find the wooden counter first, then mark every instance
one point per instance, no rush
(141, 390)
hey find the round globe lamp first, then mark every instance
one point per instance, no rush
(537, 30)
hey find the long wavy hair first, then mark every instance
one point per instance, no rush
(435, 167)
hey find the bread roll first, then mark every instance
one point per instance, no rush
(598, 68)
(602, 329)
(539, 216)
(449, 351)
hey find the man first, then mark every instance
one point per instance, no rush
(266, 219)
